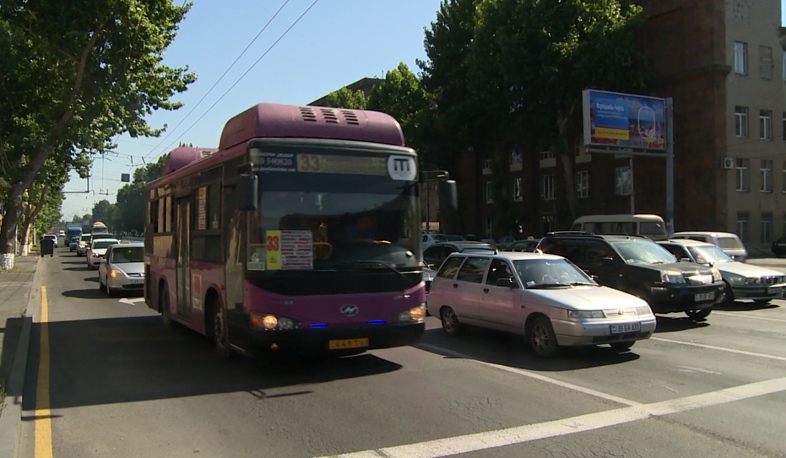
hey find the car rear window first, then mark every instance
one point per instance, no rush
(104, 243)
(729, 242)
(450, 266)
(128, 254)
(473, 270)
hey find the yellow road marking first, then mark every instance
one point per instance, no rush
(43, 422)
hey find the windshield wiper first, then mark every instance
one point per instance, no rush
(583, 283)
(366, 263)
(549, 285)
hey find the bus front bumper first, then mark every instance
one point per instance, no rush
(336, 340)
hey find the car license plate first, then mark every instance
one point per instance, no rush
(704, 297)
(775, 290)
(137, 282)
(625, 328)
(347, 343)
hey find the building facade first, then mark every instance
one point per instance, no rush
(723, 64)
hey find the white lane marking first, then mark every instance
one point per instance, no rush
(715, 312)
(713, 347)
(582, 423)
(526, 373)
(131, 301)
(698, 369)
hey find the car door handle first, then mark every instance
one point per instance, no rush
(485, 290)
(455, 285)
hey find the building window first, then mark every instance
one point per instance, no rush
(623, 181)
(765, 62)
(516, 157)
(765, 124)
(766, 176)
(489, 193)
(783, 127)
(489, 227)
(743, 174)
(517, 195)
(547, 187)
(546, 155)
(582, 184)
(742, 225)
(740, 58)
(741, 122)
(766, 227)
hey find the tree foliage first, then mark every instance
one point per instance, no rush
(74, 75)
(347, 98)
(130, 212)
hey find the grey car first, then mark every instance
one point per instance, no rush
(123, 268)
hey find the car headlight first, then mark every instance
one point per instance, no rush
(716, 275)
(115, 273)
(415, 314)
(578, 315)
(735, 279)
(672, 276)
(752, 281)
(644, 310)
(268, 322)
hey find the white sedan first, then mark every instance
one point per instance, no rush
(97, 250)
(544, 297)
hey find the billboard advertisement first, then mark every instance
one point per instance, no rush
(625, 121)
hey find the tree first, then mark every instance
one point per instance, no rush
(74, 75)
(346, 98)
(130, 211)
(42, 201)
(104, 211)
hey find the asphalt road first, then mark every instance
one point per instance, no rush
(122, 385)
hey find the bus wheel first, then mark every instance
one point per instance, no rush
(163, 301)
(218, 330)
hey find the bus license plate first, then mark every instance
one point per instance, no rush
(347, 343)
(625, 328)
(703, 297)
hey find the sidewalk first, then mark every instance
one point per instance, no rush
(16, 289)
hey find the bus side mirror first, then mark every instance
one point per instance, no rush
(449, 194)
(247, 192)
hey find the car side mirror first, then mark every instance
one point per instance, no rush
(506, 283)
(685, 260)
(594, 278)
(609, 262)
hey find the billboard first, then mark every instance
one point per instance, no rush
(624, 121)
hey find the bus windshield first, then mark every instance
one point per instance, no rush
(349, 220)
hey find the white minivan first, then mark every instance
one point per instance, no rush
(651, 226)
(729, 243)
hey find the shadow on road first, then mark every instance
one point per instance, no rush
(92, 293)
(739, 306)
(511, 350)
(77, 269)
(83, 262)
(673, 324)
(106, 361)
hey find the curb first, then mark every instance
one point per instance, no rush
(11, 419)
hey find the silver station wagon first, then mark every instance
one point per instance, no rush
(544, 297)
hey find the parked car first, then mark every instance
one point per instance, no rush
(81, 246)
(544, 297)
(97, 250)
(726, 241)
(779, 247)
(454, 238)
(430, 238)
(123, 268)
(743, 281)
(520, 245)
(435, 254)
(51, 237)
(641, 267)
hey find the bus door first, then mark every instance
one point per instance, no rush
(183, 258)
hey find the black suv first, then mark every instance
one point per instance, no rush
(643, 268)
(436, 253)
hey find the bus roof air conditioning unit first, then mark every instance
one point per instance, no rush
(727, 163)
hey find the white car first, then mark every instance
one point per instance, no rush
(123, 268)
(743, 281)
(97, 250)
(81, 245)
(544, 297)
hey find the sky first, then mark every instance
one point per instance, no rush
(309, 48)
(295, 60)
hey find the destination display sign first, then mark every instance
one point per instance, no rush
(396, 167)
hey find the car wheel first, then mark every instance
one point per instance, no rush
(163, 303)
(698, 314)
(219, 328)
(100, 284)
(108, 289)
(728, 295)
(622, 346)
(450, 322)
(541, 337)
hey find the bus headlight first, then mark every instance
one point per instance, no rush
(414, 314)
(268, 322)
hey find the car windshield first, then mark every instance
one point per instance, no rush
(643, 252)
(708, 253)
(545, 273)
(50, 236)
(127, 254)
(103, 244)
(85, 238)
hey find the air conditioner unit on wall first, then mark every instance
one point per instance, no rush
(727, 162)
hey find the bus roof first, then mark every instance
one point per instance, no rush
(292, 121)
(618, 218)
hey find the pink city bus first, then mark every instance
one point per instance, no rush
(299, 233)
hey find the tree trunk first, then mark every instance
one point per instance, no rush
(567, 157)
(29, 217)
(8, 228)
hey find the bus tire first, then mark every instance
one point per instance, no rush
(217, 327)
(163, 304)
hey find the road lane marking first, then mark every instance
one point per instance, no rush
(131, 301)
(43, 421)
(520, 434)
(713, 347)
(526, 373)
(748, 316)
